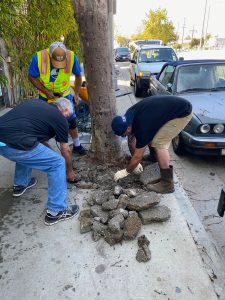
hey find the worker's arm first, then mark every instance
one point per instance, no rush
(37, 83)
(131, 140)
(135, 159)
(66, 153)
(77, 86)
(133, 166)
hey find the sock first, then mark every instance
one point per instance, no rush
(52, 213)
(76, 142)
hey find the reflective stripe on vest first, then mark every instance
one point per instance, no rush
(62, 82)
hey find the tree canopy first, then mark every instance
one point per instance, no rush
(158, 26)
(27, 26)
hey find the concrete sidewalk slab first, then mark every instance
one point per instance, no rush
(59, 263)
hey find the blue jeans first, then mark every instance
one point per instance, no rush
(44, 159)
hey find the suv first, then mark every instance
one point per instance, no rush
(148, 60)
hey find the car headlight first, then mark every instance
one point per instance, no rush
(218, 128)
(144, 74)
(205, 128)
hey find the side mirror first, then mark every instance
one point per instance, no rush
(181, 58)
(132, 61)
(169, 87)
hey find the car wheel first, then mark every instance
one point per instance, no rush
(137, 91)
(178, 145)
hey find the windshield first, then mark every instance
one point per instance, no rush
(209, 77)
(157, 55)
(122, 50)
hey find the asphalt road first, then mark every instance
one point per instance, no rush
(202, 177)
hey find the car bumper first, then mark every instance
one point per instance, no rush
(204, 145)
(122, 58)
(143, 83)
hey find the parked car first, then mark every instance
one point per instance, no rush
(148, 60)
(202, 82)
(122, 54)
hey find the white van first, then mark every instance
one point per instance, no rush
(148, 60)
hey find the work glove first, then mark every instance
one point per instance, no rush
(120, 174)
(138, 170)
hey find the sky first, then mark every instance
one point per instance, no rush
(188, 13)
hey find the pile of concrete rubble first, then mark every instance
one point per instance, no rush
(118, 214)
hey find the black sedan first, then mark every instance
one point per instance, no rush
(122, 54)
(202, 82)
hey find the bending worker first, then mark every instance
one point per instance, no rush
(154, 121)
(50, 72)
(24, 131)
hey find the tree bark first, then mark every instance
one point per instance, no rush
(92, 19)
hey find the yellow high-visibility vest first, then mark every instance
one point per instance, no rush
(62, 83)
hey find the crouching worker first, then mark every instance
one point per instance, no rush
(24, 132)
(154, 121)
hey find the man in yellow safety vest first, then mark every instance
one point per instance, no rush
(50, 71)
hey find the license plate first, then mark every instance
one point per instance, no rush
(222, 151)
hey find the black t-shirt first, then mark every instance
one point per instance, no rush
(32, 122)
(150, 114)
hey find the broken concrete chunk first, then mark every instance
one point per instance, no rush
(116, 223)
(99, 227)
(142, 240)
(130, 192)
(156, 214)
(113, 238)
(84, 185)
(132, 226)
(150, 173)
(85, 213)
(99, 197)
(123, 200)
(123, 212)
(143, 254)
(143, 201)
(111, 204)
(85, 224)
(96, 236)
(96, 211)
(117, 191)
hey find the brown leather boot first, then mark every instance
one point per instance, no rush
(166, 183)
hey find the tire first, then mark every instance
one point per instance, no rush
(137, 91)
(178, 145)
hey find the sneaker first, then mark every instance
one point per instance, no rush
(79, 150)
(19, 190)
(66, 214)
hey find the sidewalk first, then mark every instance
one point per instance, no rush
(38, 262)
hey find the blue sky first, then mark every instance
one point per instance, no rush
(130, 14)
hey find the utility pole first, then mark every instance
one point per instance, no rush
(183, 27)
(203, 25)
(207, 23)
(192, 32)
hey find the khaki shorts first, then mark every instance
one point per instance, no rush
(167, 132)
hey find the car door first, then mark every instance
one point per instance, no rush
(165, 81)
(133, 65)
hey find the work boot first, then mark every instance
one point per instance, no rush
(79, 150)
(166, 183)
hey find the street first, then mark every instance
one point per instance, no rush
(202, 177)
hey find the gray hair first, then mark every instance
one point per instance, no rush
(65, 103)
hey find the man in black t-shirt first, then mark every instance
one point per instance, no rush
(24, 134)
(154, 121)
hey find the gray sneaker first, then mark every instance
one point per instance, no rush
(19, 190)
(63, 215)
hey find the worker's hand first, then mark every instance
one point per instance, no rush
(50, 94)
(138, 170)
(120, 174)
(70, 176)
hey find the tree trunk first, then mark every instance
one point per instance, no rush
(92, 19)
